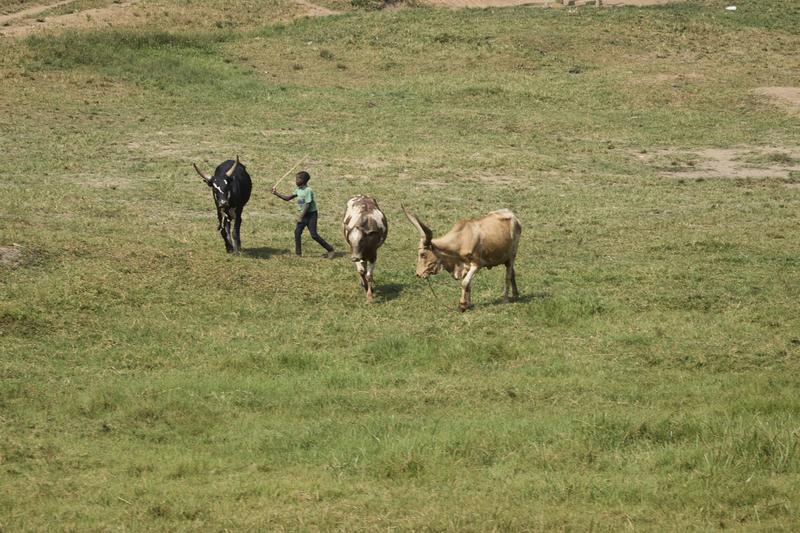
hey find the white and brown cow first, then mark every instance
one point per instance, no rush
(365, 229)
(471, 245)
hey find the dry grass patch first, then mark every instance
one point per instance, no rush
(739, 162)
(786, 97)
(10, 256)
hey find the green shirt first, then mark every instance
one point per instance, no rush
(305, 196)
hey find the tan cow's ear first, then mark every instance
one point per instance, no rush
(424, 231)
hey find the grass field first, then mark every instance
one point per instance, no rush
(648, 377)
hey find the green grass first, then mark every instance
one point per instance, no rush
(647, 378)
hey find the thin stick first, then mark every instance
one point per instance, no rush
(290, 170)
(431, 287)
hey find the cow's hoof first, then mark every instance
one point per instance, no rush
(463, 307)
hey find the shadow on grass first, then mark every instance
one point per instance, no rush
(525, 298)
(390, 291)
(264, 252)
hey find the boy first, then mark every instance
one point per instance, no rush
(306, 212)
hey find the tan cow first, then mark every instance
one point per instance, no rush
(365, 228)
(471, 245)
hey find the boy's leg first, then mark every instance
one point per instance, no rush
(312, 229)
(298, 231)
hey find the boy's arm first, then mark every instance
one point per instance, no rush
(284, 197)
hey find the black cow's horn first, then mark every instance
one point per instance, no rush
(207, 179)
(230, 171)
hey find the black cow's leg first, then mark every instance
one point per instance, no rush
(237, 226)
(225, 231)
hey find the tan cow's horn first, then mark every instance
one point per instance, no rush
(424, 230)
(230, 171)
(207, 179)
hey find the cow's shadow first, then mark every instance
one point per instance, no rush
(389, 291)
(525, 298)
(263, 252)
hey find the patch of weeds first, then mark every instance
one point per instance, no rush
(375, 5)
(762, 448)
(473, 451)
(100, 402)
(326, 54)
(694, 301)
(488, 351)
(634, 340)
(770, 159)
(10, 256)
(562, 311)
(161, 510)
(392, 348)
(298, 362)
(713, 246)
(73, 49)
(21, 322)
(405, 465)
(481, 92)
(167, 61)
(611, 432)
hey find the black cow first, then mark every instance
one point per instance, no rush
(231, 188)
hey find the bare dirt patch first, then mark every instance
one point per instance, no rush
(31, 11)
(119, 13)
(739, 162)
(497, 179)
(112, 15)
(786, 97)
(125, 12)
(542, 3)
(10, 256)
(313, 10)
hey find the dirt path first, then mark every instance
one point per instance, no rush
(758, 162)
(543, 3)
(89, 18)
(123, 11)
(786, 97)
(313, 10)
(31, 11)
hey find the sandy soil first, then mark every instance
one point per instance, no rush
(10, 256)
(542, 3)
(758, 162)
(740, 162)
(16, 25)
(24, 23)
(786, 97)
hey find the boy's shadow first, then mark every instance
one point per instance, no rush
(263, 252)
